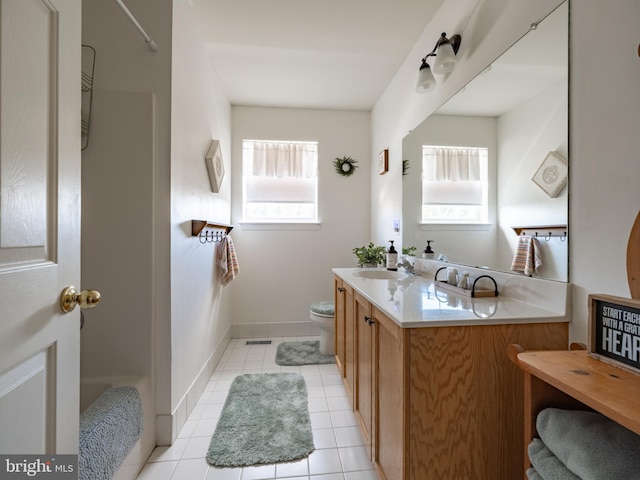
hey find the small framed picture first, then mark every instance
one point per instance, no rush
(552, 174)
(383, 162)
(215, 165)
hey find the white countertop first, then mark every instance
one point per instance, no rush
(417, 301)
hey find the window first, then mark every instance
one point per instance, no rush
(454, 185)
(280, 181)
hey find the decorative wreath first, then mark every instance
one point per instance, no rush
(345, 166)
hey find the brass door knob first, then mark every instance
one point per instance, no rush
(70, 297)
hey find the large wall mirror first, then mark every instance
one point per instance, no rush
(517, 109)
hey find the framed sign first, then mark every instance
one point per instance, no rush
(383, 162)
(614, 333)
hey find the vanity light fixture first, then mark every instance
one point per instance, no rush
(444, 53)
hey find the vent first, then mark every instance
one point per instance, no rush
(258, 342)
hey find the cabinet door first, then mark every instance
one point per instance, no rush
(365, 334)
(391, 412)
(338, 295)
(349, 342)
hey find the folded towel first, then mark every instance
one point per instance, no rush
(226, 260)
(546, 464)
(527, 257)
(591, 445)
(533, 475)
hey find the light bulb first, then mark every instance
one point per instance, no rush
(446, 59)
(426, 80)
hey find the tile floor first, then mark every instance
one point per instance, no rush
(339, 454)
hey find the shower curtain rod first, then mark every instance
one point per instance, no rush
(153, 46)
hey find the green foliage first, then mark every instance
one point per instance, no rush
(409, 250)
(369, 254)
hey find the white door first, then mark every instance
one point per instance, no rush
(39, 224)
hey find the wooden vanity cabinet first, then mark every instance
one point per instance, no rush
(339, 321)
(345, 334)
(391, 423)
(365, 329)
(440, 402)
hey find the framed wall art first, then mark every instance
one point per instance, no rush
(215, 165)
(552, 174)
(383, 162)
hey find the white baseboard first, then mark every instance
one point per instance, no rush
(281, 329)
(168, 426)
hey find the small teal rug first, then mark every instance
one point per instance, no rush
(265, 420)
(301, 353)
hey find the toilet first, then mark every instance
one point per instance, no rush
(321, 314)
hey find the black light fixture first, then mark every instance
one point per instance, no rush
(445, 61)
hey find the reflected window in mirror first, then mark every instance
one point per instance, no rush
(455, 185)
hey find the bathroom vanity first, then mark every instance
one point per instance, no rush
(431, 386)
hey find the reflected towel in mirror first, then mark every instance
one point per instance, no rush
(527, 257)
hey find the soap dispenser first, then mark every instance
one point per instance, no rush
(428, 252)
(392, 257)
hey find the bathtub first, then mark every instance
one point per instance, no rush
(92, 388)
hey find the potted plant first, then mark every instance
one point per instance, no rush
(369, 256)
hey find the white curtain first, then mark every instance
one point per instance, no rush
(452, 164)
(280, 159)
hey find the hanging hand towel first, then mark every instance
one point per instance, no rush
(527, 257)
(227, 260)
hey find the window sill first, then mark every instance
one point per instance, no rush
(471, 227)
(280, 225)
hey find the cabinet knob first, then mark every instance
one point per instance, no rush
(340, 289)
(369, 320)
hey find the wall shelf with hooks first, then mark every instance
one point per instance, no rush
(209, 231)
(544, 231)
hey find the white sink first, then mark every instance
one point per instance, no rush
(380, 274)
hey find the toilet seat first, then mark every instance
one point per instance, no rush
(323, 309)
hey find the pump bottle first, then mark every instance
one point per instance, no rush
(392, 257)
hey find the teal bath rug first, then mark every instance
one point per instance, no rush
(265, 420)
(301, 353)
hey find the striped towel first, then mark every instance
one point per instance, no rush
(527, 257)
(227, 260)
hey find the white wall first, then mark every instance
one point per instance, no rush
(604, 121)
(125, 190)
(526, 135)
(283, 271)
(604, 174)
(144, 180)
(200, 307)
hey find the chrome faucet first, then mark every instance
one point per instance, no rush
(408, 267)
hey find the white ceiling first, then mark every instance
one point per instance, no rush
(332, 54)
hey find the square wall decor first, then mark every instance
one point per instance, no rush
(383, 162)
(215, 165)
(552, 174)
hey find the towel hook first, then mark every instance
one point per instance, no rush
(548, 238)
(563, 238)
